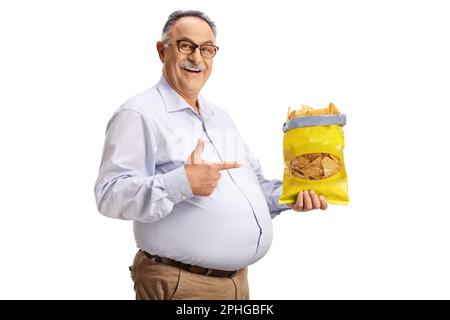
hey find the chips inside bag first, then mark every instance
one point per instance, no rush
(313, 148)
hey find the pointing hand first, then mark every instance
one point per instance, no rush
(203, 176)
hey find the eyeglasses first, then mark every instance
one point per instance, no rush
(188, 47)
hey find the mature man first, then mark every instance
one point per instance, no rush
(175, 165)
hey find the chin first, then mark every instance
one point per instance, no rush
(194, 84)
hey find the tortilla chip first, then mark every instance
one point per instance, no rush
(314, 166)
(312, 173)
(330, 167)
(309, 111)
(297, 174)
(317, 163)
(312, 156)
(336, 159)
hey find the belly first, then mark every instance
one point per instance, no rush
(228, 230)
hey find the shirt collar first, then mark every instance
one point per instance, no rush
(174, 102)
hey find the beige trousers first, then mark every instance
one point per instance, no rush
(157, 281)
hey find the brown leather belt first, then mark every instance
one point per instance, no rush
(190, 267)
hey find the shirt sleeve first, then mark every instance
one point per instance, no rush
(127, 186)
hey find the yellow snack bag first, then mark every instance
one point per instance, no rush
(313, 148)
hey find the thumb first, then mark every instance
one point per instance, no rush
(196, 155)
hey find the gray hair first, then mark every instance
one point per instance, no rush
(174, 16)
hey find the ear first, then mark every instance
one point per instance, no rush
(160, 48)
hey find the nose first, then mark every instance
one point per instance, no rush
(195, 56)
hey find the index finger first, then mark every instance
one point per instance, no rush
(226, 165)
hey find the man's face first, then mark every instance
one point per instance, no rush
(181, 69)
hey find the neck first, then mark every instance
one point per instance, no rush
(192, 102)
(190, 98)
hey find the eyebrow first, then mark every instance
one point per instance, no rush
(189, 39)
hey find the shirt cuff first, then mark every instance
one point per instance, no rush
(278, 207)
(177, 185)
(282, 207)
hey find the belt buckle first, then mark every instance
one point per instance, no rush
(208, 272)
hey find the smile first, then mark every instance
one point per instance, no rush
(192, 70)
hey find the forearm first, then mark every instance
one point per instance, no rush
(272, 190)
(141, 198)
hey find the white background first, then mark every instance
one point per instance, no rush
(67, 65)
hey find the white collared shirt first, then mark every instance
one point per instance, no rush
(142, 178)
